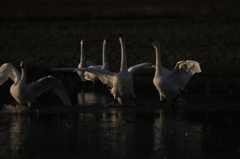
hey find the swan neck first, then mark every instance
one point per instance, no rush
(105, 64)
(158, 60)
(123, 56)
(82, 57)
(24, 72)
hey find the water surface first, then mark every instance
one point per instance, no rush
(208, 126)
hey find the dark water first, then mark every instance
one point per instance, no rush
(208, 126)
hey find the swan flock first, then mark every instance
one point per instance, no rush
(169, 84)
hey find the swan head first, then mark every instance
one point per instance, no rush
(82, 43)
(22, 64)
(120, 37)
(154, 42)
(105, 41)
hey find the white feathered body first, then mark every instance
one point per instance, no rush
(170, 83)
(121, 83)
(22, 94)
(123, 87)
(25, 93)
(166, 88)
(81, 73)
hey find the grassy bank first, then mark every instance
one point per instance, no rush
(47, 33)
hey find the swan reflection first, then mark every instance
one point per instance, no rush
(116, 131)
(90, 98)
(178, 136)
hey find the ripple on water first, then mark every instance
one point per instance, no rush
(18, 109)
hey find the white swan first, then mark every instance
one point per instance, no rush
(25, 93)
(170, 83)
(121, 83)
(105, 65)
(83, 63)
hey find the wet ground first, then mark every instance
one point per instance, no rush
(207, 126)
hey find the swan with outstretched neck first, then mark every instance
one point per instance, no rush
(83, 63)
(121, 83)
(25, 93)
(105, 65)
(170, 84)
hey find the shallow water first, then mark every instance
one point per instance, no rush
(208, 126)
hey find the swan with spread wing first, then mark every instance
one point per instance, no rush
(121, 83)
(83, 63)
(105, 65)
(170, 84)
(25, 93)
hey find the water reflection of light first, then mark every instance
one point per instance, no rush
(112, 124)
(17, 135)
(157, 130)
(175, 136)
(90, 98)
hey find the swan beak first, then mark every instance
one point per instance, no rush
(21, 64)
(82, 42)
(105, 41)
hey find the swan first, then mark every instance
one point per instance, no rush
(83, 63)
(170, 84)
(25, 93)
(121, 83)
(105, 65)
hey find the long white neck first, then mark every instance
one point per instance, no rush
(24, 74)
(82, 57)
(105, 64)
(158, 70)
(123, 55)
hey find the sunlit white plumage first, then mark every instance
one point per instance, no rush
(171, 83)
(121, 83)
(25, 93)
(83, 63)
(105, 65)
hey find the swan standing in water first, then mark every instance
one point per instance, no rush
(121, 83)
(92, 77)
(25, 93)
(170, 84)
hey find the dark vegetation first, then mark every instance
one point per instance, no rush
(47, 33)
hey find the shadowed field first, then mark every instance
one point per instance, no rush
(47, 33)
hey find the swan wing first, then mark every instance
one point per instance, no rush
(134, 68)
(104, 75)
(64, 69)
(184, 70)
(165, 71)
(91, 76)
(7, 70)
(50, 82)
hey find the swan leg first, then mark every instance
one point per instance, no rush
(161, 100)
(172, 105)
(181, 91)
(134, 97)
(115, 100)
(29, 104)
